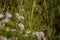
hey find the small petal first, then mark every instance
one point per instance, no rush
(8, 15)
(21, 26)
(17, 14)
(13, 30)
(1, 15)
(37, 34)
(18, 17)
(41, 34)
(22, 17)
(6, 20)
(44, 38)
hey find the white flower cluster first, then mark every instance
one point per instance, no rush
(19, 17)
(40, 35)
(6, 18)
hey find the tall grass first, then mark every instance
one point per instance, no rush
(39, 16)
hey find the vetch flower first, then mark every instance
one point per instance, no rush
(39, 34)
(22, 17)
(3, 37)
(21, 26)
(1, 15)
(18, 16)
(8, 15)
(5, 20)
(13, 30)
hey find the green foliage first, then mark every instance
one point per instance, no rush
(39, 16)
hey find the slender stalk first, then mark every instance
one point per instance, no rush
(32, 13)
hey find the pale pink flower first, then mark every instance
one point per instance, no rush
(8, 15)
(19, 17)
(5, 20)
(3, 38)
(39, 34)
(21, 26)
(1, 15)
